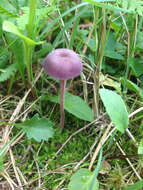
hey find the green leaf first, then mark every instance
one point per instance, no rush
(113, 55)
(18, 52)
(140, 152)
(136, 66)
(61, 16)
(22, 20)
(7, 145)
(1, 163)
(5, 148)
(75, 105)
(96, 171)
(133, 87)
(115, 108)
(10, 27)
(6, 12)
(137, 186)
(106, 5)
(37, 128)
(110, 82)
(139, 43)
(112, 48)
(82, 179)
(8, 72)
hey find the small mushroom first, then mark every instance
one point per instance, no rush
(62, 64)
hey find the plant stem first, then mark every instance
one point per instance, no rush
(32, 9)
(132, 35)
(28, 58)
(100, 34)
(30, 31)
(62, 87)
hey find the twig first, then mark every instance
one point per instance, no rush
(5, 99)
(17, 111)
(9, 180)
(131, 115)
(135, 112)
(15, 170)
(22, 177)
(16, 141)
(129, 161)
(87, 42)
(58, 188)
(105, 137)
(13, 119)
(102, 141)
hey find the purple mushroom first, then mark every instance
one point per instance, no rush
(62, 64)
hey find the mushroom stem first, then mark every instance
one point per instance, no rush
(62, 87)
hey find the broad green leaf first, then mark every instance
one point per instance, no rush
(139, 43)
(112, 47)
(136, 66)
(82, 179)
(37, 128)
(115, 108)
(10, 27)
(113, 55)
(137, 186)
(75, 105)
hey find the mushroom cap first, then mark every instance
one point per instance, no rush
(63, 64)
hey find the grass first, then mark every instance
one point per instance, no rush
(39, 157)
(108, 38)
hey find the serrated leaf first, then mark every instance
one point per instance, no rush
(37, 128)
(22, 20)
(8, 72)
(82, 179)
(115, 108)
(75, 105)
(6, 12)
(10, 27)
(4, 57)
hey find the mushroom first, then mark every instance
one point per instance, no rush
(62, 64)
